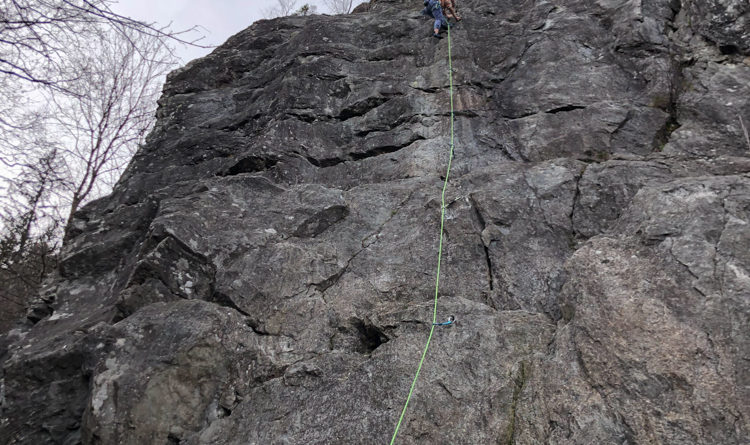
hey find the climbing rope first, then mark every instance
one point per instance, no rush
(440, 253)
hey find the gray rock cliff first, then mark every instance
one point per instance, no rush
(263, 272)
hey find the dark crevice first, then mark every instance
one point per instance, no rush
(88, 258)
(505, 151)
(564, 109)
(621, 125)
(41, 306)
(223, 411)
(675, 6)
(146, 272)
(143, 275)
(158, 234)
(255, 326)
(323, 163)
(729, 50)
(363, 133)
(241, 123)
(151, 279)
(250, 164)
(512, 69)
(377, 151)
(519, 382)
(365, 243)
(333, 53)
(482, 226)
(327, 77)
(374, 152)
(362, 107)
(494, 144)
(686, 267)
(410, 118)
(224, 300)
(628, 433)
(214, 153)
(447, 391)
(330, 281)
(489, 267)
(653, 239)
(430, 90)
(321, 221)
(665, 132)
(173, 440)
(542, 23)
(384, 150)
(370, 336)
(585, 372)
(468, 83)
(226, 411)
(309, 118)
(324, 285)
(639, 48)
(119, 316)
(576, 200)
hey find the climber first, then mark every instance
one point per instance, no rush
(433, 9)
(450, 321)
(449, 6)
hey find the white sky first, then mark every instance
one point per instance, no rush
(218, 19)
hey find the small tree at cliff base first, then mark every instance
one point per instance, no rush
(78, 90)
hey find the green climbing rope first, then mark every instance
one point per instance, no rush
(440, 250)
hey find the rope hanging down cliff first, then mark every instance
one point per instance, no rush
(440, 252)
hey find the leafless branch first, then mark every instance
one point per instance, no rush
(283, 8)
(78, 90)
(339, 6)
(35, 35)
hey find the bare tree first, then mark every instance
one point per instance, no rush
(30, 208)
(36, 36)
(94, 125)
(339, 6)
(28, 162)
(101, 119)
(283, 8)
(22, 273)
(63, 53)
(28, 240)
(78, 90)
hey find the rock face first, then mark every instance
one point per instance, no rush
(263, 272)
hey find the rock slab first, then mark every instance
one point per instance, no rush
(263, 272)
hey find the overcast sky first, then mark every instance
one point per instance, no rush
(218, 19)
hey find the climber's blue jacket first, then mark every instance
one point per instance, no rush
(433, 9)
